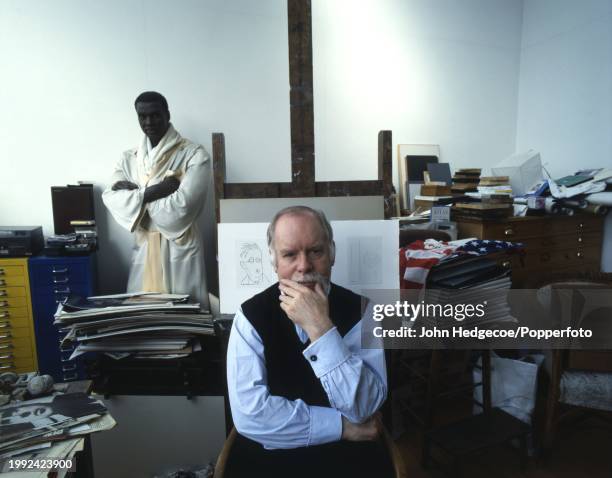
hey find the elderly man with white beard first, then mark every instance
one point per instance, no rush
(304, 394)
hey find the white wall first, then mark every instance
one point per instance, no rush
(434, 72)
(565, 93)
(72, 68)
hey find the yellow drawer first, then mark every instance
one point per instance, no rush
(14, 331)
(11, 271)
(13, 312)
(6, 302)
(7, 292)
(18, 348)
(12, 281)
(17, 364)
(17, 342)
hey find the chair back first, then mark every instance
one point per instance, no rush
(396, 458)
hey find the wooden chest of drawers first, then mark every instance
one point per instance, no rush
(554, 245)
(17, 339)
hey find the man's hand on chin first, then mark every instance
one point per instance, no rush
(366, 431)
(306, 307)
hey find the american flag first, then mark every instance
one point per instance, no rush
(417, 258)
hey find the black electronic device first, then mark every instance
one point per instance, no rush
(19, 241)
(71, 203)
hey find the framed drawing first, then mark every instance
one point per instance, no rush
(412, 161)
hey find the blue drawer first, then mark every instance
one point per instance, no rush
(59, 274)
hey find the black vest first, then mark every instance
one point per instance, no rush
(290, 375)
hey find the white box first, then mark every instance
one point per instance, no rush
(523, 169)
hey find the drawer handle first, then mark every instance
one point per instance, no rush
(505, 264)
(59, 271)
(579, 254)
(61, 281)
(69, 368)
(508, 231)
(6, 367)
(72, 376)
(65, 290)
(6, 347)
(5, 315)
(5, 325)
(580, 225)
(9, 356)
(4, 303)
(3, 293)
(5, 336)
(2, 282)
(580, 239)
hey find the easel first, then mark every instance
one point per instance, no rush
(303, 182)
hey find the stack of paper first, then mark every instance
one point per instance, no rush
(471, 280)
(49, 428)
(148, 325)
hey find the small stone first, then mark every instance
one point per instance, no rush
(40, 385)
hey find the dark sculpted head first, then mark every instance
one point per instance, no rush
(153, 115)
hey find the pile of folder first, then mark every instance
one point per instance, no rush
(145, 325)
(49, 429)
(471, 280)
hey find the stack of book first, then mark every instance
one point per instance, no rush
(49, 431)
(146, 325)
(481, 211)
(492, 200)
(494, 185)
(465, 180)
(433, 194)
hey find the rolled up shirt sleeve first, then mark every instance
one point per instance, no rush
(354, 379)
(273, 421)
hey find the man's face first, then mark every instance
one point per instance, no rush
(302, 251)
(154, 120)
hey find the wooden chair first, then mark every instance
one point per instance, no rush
(570, 367)
(394, 453)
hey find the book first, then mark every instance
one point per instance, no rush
(434, 190)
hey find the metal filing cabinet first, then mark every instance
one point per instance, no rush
(17, 339)
(52, 280)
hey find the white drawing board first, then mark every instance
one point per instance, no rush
(366, 258)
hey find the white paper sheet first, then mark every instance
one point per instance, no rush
(366, 258)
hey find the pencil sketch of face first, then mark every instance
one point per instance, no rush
(250, 262)
(26, 414)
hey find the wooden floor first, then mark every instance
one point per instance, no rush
(586, 452)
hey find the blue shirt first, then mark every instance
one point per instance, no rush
(354, 379)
